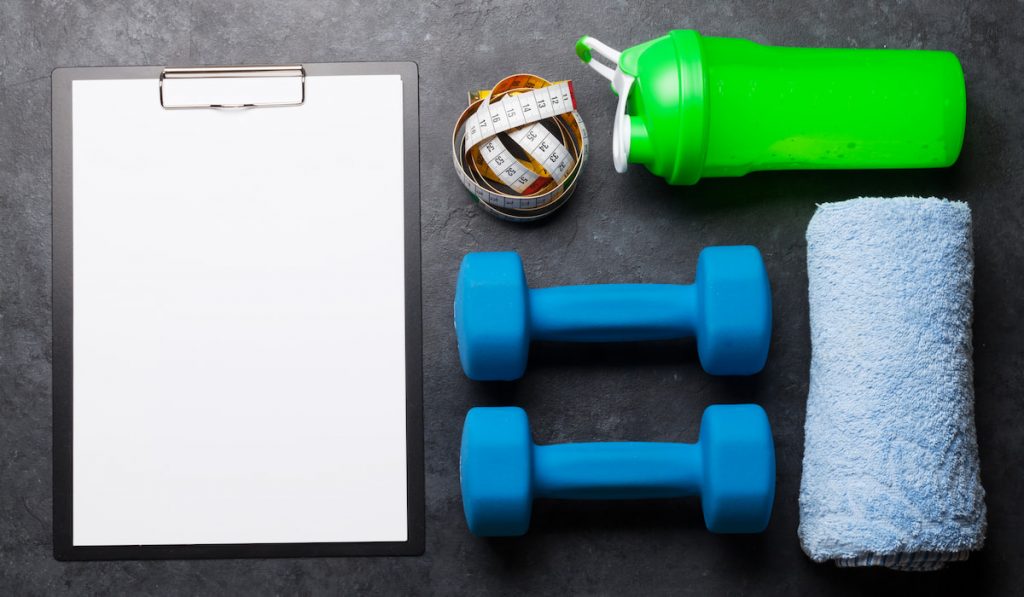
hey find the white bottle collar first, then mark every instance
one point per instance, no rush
(621, 83)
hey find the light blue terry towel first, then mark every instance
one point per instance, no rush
(890, 472)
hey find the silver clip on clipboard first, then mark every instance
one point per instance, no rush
(199, 87)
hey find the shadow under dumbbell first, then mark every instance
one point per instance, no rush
(682, 516)
(556, 516)
(603, 354)
(680, 353)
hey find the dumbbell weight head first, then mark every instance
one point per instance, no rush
(738, 455)
(496, 471)
(734, 320)
(492, 316)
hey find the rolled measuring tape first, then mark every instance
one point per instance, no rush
(519, 147)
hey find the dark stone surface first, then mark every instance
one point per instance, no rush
(617, 228)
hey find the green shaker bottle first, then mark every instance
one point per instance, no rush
(692, 106)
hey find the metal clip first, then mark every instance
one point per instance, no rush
(199, 94)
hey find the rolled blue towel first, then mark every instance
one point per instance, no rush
(890, 471)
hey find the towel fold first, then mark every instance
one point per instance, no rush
(890, 471)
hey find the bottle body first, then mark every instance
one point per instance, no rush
(776, 108)
(714, 106)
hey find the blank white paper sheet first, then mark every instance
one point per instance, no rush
(239, 318)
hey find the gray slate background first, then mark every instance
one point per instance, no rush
(616, 228)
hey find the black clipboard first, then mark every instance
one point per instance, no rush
(64, 544)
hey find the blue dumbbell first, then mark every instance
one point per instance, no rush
(728, 309)
(731, 468)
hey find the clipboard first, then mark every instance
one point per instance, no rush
(237, 328)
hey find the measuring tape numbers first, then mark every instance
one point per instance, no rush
(519, 147)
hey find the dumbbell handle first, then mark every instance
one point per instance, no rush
(613, 312)
(616, 470)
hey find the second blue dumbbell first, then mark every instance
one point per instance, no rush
(728, 308)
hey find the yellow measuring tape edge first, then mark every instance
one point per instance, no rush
(519, 147)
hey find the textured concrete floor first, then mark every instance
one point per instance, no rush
(617, 228)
